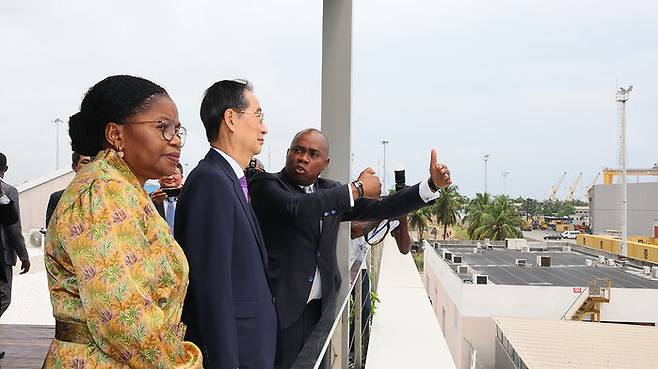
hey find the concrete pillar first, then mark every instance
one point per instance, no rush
(336, 125)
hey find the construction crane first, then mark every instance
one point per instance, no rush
(556, 187)
(610, 173)
(573, 187)
(591, 186)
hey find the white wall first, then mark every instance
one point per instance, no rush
(34, 197)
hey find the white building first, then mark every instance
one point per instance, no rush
(465, 310)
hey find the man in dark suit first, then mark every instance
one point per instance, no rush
(229, 308)
(77, 162)
(300, 213)
(165, 198)
(12, 243)
(8, 215)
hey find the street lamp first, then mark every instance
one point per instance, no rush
(384, 142)
(621, 97)
(57, 121)
(504, 174)
(486, 158)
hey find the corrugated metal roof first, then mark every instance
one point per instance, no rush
(563, 344)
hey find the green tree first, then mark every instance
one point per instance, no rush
(474, 211)
(447, 207)
(419, 220)
(499, 221)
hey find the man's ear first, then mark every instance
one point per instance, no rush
(326, 164)
(230, 117)
(114, 135)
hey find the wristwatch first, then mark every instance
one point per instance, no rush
(359, 188)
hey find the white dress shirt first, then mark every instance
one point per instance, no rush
(239, 172)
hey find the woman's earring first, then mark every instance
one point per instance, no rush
(120, 152)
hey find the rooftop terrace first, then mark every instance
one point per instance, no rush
(567, 268)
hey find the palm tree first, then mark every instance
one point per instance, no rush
(418, 219)
(474, 211)
(499, 221)
(447, 207)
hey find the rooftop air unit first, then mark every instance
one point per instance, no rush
(519, 262)
(475, 250)
(611, 262)
(447, 255)
(647, 270)
(480, 279)
(589, 262)
(601, 259)
(462, 269)
(436, 245)
(566, 248)
(654, 272)
(457, 259)
(543, 261)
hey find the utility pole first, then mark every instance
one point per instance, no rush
(621, 97)
(57, 121)
(384, 142)
(486, 158)
(504, 174)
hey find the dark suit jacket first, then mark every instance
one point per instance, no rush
(8, 214)
(290, 220)
(12, 243)
(229, 308)
(52, 204)
(159, 206)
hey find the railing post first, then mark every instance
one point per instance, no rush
(358, 331)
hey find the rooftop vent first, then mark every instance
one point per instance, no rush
(647, 270)
(480, 279)
(654, 272)
(475, 250)
(519, 262)
(611, 262)
(447, 255)
(589, 262)
(601, 259)
(543, 261)
(462, 269)
(457, 259)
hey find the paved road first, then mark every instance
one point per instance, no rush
(538, 235)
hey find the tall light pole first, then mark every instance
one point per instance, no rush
(384, 142)
(486, 158)
(57, 121)
(621, 97)
(504, 174)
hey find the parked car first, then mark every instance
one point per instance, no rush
(553, 236)
(571, 235)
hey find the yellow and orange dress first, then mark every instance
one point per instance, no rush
(117, 278)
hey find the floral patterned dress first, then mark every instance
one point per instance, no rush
(115, 270)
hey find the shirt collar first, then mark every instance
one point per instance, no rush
(239, 172)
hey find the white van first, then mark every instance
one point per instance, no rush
(570, 234)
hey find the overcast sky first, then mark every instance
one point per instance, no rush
(530, 83)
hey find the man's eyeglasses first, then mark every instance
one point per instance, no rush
(168, 128)
(259, 114)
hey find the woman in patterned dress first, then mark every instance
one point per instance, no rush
(117, 278)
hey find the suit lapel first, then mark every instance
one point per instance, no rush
(237, 189)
